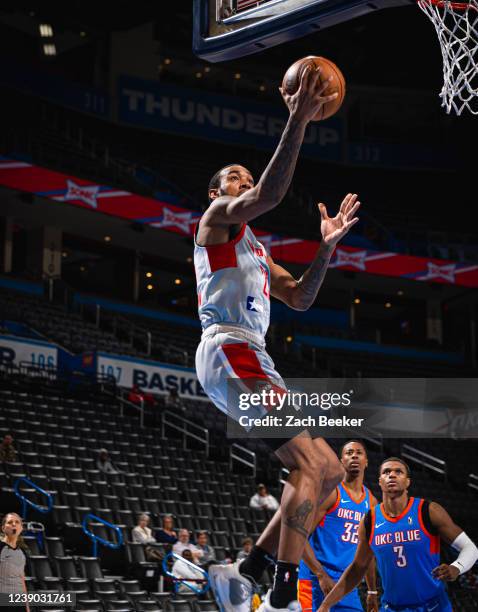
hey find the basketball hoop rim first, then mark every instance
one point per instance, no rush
(457, 6)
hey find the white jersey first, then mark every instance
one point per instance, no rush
(233, 281)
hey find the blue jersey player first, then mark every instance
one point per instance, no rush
(404, 535)
(331, 547)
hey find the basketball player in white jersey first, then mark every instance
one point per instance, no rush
(235, 277)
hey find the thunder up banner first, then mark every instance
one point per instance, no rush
(79, 192)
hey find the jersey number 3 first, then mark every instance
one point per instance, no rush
(401, 560)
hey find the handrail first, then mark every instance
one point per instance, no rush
(186, 581)
(473, 481)
(164, 421)
(25, 501)
(131, 404)
(424, 459)
(95, 538)
(233, 456)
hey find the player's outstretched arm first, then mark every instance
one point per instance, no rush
(276, 178)
(353, 574)
(300, 294)
(454, 535)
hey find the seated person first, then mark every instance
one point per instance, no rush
(166, 534)
(262, 500)
(209, 554)
(104, 463)
(184, 570)
(183, 543)
(247, 544)
(143, 534)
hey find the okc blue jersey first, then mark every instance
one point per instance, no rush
(406, 553)
(335, 539)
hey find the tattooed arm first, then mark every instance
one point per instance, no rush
(276, 178)
(300, 294)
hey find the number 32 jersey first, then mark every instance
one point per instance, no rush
(233, 281)
(335, 539)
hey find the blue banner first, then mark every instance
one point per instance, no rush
(53, 87)
(220, 118)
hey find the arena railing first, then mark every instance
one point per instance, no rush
(96, 538)
(27, 502)
(425, 460)
(179, 423)
(188, 582)
(235, 451)
(125, 402)
(473, 481)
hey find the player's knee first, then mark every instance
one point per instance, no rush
(314, 464)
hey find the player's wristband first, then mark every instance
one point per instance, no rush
(372, 592)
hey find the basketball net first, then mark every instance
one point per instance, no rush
(456, 24)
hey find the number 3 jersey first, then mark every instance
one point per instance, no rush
(335, 539)
(406, 550)
(233, 281)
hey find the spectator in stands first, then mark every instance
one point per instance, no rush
(12, 558)
(7, 450)
(143, 534)
(262, 500)
(104, 463)
(184, 542)
(141, 398)
(182, 569)
(173, 401)
(247, 544)
(166, 534)
(209, 554)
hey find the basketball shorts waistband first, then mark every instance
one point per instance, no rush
(225, 328)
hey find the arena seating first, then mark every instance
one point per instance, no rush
(173, 343)
(58, 435)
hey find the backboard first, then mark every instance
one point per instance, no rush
(228, 29)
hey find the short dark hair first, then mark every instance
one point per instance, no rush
(362, 444)
(405, 465)
(215, 182)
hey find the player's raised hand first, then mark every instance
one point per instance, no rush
(446, 573)
(335, 228)
(308, 99)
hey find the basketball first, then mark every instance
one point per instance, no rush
(291, 81)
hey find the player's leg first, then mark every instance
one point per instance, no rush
(333, 474)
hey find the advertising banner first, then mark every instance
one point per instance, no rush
(157, 378)
(206, 115)
(14, 351)
(66, 189)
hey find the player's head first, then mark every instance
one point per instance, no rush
(231, 180)
(353, 456)
(394, 476)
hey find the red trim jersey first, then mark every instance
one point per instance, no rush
(335, 539)
(406, 553)
(233, 282)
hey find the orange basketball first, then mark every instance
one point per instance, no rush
(291, 81)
